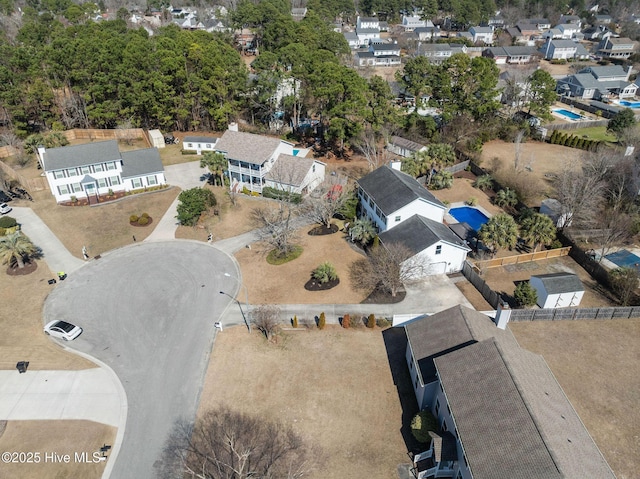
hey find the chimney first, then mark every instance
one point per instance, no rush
(503, 313)
(41, 151)
(396, 165)
(233, 126)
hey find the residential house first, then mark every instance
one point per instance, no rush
(500, 410)
(431, 243)
(604, 19)
(411, 22)
(598, 82)
(367, 22)
(436, 52)
(573, 19)
(496, 22)
(199, 144)
(618, 48)
(465, 35)
(352, 39)
(93, 169)
(524, 33)
(424, 34)
(568, 30)
(403, 147)
(541, 24)
(388, 197)
(379, 54)
(482, 34)
(557, 290)
(295, 174)
(563, 49)
(298, 13)
(512, 55)
(367, 35)
(552, 34)
(384, 26)
(250, 157)
(597, 32)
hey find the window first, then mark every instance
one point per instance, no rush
(85, 170)
(111, 165)
(439, 249)
(136, 182)
(98, 167)
(384, 219)
(72, 172)
(63, 189)
(114, 180)
(152, 180)
(437, 407)
(76, 187)
(398, 218)
(371, 202)
(189, 145)
(313, 169)
(208, 145)
(102, 182)
(58, 174)
(444, 426)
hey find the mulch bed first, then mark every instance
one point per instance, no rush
(314, 285)
(28, 269)
(323, 230)
(142, 226)
(381, 296)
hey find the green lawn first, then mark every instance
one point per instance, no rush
(596, 133)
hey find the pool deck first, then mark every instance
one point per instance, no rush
(451, 220)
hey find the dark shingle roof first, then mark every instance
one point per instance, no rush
(418, 233)
(406, 144)
(499, 436)
(556, 283)
(81, 155)
(199, 139)
(255, 149)
(391, 189)
(141, 162)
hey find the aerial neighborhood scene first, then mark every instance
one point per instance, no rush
(320, 239)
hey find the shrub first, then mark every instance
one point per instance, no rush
(371, 321)
(3, 231)
(346, 321)
(133, 218)
(525, 295)
(192, 203)
(143, 221)
(556, 244)
(294, 323)
(7, 222)
(324, 273)
(74, 199)
(472, 201)
(246, 191)
(322, 321)
(110, 192)
(144, 215)
(421, 424)
(277, 194)
(383, 323)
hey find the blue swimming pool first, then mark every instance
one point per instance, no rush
(630, 104)
(624, 258)
(470, 215)
(569, 114)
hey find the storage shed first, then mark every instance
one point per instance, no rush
(557, 290)
(156, 138)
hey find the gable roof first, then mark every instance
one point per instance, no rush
(406, 144)
(556, 283)
(199, 139)
(81, 155)
(247, 147)
(605, 71)
(499, 436)
(418, 233)
(141, 162)
(391, 189)
(290, 170)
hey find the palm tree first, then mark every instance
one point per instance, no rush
(442, 180)
(537, 229)
(484, 182)
(362, 230)
(16, 248)
(506, 197)
(501, 231)
(217, 164)
(325, 272)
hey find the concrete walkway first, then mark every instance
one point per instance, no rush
(55, 254)
(86, 394)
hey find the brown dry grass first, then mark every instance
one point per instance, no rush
(21, 302)
(61, 437)
(463, 190)
(101, 228)
(597, 365)
(285, 283)
(334, 387)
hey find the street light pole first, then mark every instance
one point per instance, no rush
(241, 311)
(246, 291)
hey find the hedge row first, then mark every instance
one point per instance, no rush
(274, 193)
(573, 141)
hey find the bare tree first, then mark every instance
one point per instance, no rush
(388, 266)
(227, 444)
(372, 148)
(327, 199)
(125, 132)
(612, 228)
(518, 150)
(266, 318)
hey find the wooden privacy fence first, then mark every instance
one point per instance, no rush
(113, 134)
(574, 314)
(481, 285)
(7, 151)
(523, 258)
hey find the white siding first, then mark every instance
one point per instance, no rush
(450, 259)
(416, 207)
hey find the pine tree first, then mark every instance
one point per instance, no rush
(322, 321)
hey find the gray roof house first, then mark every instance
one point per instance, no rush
(92, 170)
(301, 175)
(388, 197)
(199, 143)
(508, 415)
(563, 49)
(404, 147)
(597, 82)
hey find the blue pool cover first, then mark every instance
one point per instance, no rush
(624, 258)
(472, 216)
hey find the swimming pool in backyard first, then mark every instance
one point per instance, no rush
(629, 104)
(624, 258)
(470, 215)
(568, 114)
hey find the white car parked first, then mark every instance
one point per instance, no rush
(62, 330)
(4, 208)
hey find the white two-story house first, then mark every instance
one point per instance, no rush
(500, 411)
(616, 47)
(94, 169)
(482, 34)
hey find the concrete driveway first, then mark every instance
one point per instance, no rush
(148, 311)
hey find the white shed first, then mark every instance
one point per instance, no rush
(157, 139)
(554, 210)
(557, 290)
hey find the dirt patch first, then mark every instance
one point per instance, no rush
(22, 338)
(336, 391)
(60, 437)
(28, 268)
(597, 364)
(323, 230)
(285, 283)
(314, 285)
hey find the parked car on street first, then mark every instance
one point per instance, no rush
(4, 208)
(62, 330)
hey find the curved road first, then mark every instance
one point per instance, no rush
(148, 311)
